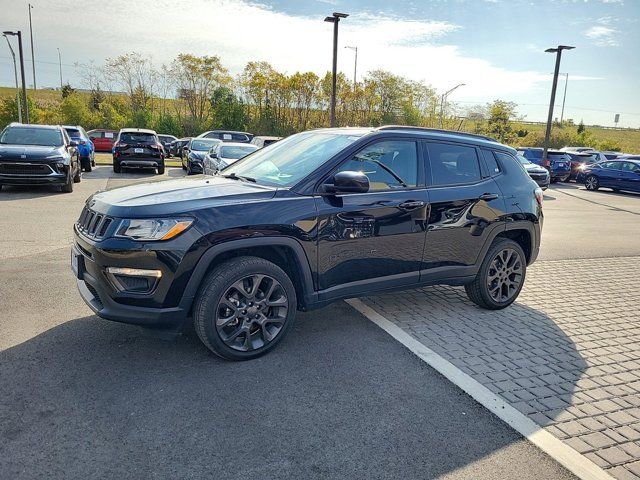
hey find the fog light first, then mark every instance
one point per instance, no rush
(60, 165)
(133, 280)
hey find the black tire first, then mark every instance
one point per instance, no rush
(68, 187)
(616, 190)
(161, 170)
(116, 167)
(554, 180)
(78, 176)
(210, 300)
(592, 183)
(88, 166)
(479, 291)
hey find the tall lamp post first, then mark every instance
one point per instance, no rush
(444, 98)
(564, 97)
(24, 83)
(60, 64)
(15, 74)
(335, 19)
(355, 64)
(556, 71)
(33, 58)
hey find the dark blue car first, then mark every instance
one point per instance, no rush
(86, 148)
(620, 174)
(559, 162)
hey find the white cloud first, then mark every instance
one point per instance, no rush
(603, 35)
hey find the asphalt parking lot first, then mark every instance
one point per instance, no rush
(87, 398)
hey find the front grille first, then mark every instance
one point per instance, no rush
(93, 224)
(25, 169)
(538, 176)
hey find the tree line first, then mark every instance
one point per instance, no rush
(197, 93)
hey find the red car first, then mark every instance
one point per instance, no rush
(102, 139)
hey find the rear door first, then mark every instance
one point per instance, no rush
(610, 174)
(465, 206)
(374, 239)
(631, 176)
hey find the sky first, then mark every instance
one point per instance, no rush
(495, 47)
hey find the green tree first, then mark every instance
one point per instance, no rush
(499, 124)
(74, 110)
(228, 111)
(581, 128)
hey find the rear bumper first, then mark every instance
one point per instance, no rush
(149, 162)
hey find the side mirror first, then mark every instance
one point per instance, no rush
(213, 155)
(348, 182)
(73, 143)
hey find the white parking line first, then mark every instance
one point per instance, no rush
(573, 461)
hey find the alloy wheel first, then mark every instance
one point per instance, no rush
(504, 276)
(252, 312)
(591, 183)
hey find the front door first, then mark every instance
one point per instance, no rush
(375, 239)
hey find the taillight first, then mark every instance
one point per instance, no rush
(539, 196)
(120, 145)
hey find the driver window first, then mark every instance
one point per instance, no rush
(390, 165)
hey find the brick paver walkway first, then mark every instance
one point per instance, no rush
(567, 353)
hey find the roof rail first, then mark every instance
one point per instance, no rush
(435, 130)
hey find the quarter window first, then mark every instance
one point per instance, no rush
(453, 164)
(389, 165)
(490, 162)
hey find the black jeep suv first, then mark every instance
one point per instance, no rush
(38, 155)
(319, 216)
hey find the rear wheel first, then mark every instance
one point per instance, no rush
(116, 167)
(501, 276)
(592, 183)
(77, 176)
(244, 308)
(161, 169)
(88, 166)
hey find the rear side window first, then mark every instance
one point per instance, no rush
(238, 137)
(490, 162)
(611, 165)
(453, 164)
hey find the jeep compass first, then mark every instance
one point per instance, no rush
(317, 217)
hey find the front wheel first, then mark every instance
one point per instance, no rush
(244, 308)
(501, 276)
(592, 183)
(68, 186)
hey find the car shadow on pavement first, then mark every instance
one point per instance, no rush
(338, 398)
(26, 192)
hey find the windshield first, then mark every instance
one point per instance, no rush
(523, 160)
(48, 137)
(236, 152)
(203, 145)
(290, 160)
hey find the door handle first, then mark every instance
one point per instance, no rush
(410, 205)
(488, 196)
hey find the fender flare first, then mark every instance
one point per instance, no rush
(209, 256)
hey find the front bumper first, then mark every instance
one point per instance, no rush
(53, 179)
(98, 292)
(195, 167)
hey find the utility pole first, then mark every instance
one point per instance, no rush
(15, 74)
(556, 71)
(33, 58)
(335, 19)
(24, 83)
(60, 63)
(355, 65)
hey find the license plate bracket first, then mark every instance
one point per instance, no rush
(77, 264)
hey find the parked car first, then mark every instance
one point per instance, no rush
(225, 154)
(263, 141)
(576, 149)
(138, 148)
(320, 216)
(85, 147)
(102, 139)
(38, 155)
(612, 155)
(578, 159)
(195, 150)
(614, 174)
(175, 147)
(228, 136)
(538, 174)
(166, 140)
(559, 162)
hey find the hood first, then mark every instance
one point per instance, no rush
(30, 152)
(180, 196)
(197, 154)
(532, 167)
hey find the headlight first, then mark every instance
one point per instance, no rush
(153, 229)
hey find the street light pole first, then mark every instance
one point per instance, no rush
(564, 97)
(60, 63)
(355, 65)
(15, 74)
(33, 58)
(443, 98)
(335, 19)
(556, 71)
(24, 83)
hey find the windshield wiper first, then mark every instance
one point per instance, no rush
(239, 177)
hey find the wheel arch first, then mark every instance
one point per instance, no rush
(285, 252)
(523, 236)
